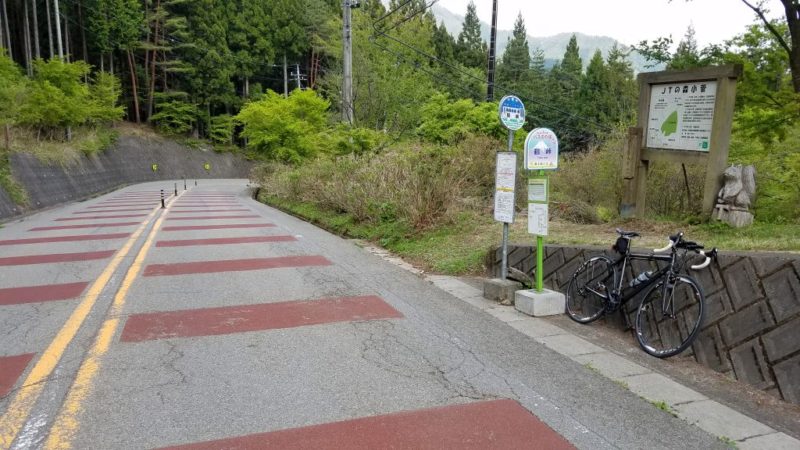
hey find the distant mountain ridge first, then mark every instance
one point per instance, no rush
(552, 46)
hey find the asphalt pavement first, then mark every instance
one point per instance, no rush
(219, 322)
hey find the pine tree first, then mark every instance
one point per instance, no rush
(564, 83)
(593, 101)
(443, 43)
(471, 49)
(686, 55)
(622, 86)
(514, 68)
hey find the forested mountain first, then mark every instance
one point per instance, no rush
(552, 46)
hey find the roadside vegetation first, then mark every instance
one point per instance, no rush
(427, 194)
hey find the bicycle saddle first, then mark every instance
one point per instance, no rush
(627, 234)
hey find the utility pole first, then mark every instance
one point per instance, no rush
(58, 30)
(285, 79)
(347, 79)
(297, 66)
(492, 57)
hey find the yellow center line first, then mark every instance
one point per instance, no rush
(67, 423)
(20, 407)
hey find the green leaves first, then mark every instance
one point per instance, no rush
(285, 129)
(174, 114)
(449, 122)
(58, 97)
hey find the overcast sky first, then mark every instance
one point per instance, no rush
(628, 21)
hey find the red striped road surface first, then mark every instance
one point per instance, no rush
(54, 258)
(495, 424)
(258, 317)
(86, 225)
(11, 367)
(41, 293)
(75, 238)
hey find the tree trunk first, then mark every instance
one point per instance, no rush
(164, 61)
(111, 62)
(152, 88)
(793, 21)
(246, 87)
(134, 91)
(49, 27)
(5, 24)
(36, 30)
(66, 38)
(83, 31)
(26, 40)
(58, 29)
(2, 30)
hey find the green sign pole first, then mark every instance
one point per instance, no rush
(540, 253)
(541, 155)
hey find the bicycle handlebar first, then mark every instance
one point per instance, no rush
(708, 256)
(662, 250)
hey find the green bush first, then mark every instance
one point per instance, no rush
(221, 129)
(593, 177)
(445, 121)
(347, 140)
(58, 97)
(777, 173)
(103, 95)
(12, 89)
(285, 129)
(174, 114)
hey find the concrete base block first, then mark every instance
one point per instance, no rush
(545, 303)
(500, 290)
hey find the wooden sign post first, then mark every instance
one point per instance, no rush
(684, 117)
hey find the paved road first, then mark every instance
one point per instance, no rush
(219, 322)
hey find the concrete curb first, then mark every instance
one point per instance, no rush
(685, 403)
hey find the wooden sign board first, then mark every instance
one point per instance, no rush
(685, 117)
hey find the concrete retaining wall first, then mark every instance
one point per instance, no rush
(128, 161)
(751, 330)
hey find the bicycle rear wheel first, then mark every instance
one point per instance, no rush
(668, 320)
(588, 288)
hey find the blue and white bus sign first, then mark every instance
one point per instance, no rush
(541, 150)
(512, 112)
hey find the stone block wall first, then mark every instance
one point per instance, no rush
(751, 329)
(128, 161)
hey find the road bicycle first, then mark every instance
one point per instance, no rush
(671, 311)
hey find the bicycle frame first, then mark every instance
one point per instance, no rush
(618, 295)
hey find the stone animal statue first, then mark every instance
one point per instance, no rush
(739, 189)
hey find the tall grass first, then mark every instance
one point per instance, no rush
(419, 185)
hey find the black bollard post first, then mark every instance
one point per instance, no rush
(176, 189)
(162, 199)
(184, 184)
(195, 182)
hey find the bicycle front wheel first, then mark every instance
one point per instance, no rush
(670, 316)
(588, 289)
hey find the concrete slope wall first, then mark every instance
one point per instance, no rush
(751, 330)
(129, 161)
